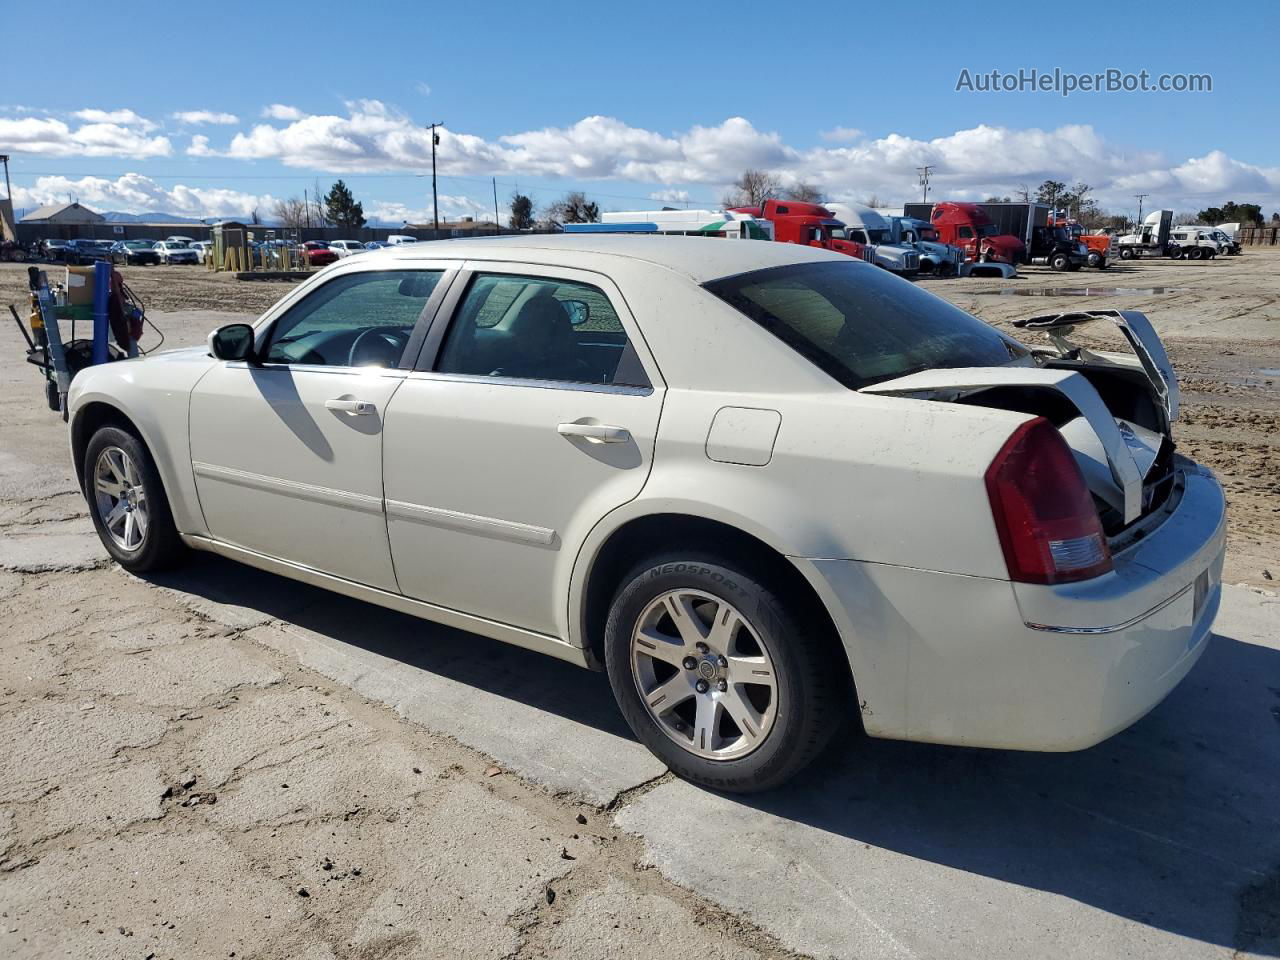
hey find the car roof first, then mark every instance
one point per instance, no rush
(699, 258)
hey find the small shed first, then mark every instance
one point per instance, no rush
(228, 235)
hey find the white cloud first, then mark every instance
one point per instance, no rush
(840, 134)
(199, 147)
(279, 111)
(452, 207)
(124, 118)
(670, 196)
(50, 137)
(196, 118)
(423, 88)
(135, 193)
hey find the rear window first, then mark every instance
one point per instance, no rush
(863, 325)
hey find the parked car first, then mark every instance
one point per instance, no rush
(81, 251)
(185, 241)
(128, 252)
(203, 249)
(11, 250)
(54, 249)
(174, 251)
(318, 253)
(397, 239)
(375, 244)
(697, 465)
(345, 248)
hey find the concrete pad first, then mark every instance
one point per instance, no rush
(266, 731)
(179, 675)
(203, 899)
(47, 744)
(49, 547)
(379, 777)
(130, 793)
(465, 867)
(617, 921)
(488, 696)
(1161, 841)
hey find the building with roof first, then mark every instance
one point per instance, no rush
(63, 214)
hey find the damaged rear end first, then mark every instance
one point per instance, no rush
(1113, 542)
(1101, 444)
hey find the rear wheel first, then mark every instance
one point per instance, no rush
(127, 502)
(719, 676)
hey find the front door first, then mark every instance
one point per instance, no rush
(287, 451)
(533, 418)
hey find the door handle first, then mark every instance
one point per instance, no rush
(354, 408)
(595, 432)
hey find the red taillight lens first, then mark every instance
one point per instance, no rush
(1045, 517)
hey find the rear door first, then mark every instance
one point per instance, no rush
(531, 415)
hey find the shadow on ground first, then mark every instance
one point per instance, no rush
(1174, 823)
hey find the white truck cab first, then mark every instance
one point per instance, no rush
(935, 256)
(864, 225)
(1196, 243)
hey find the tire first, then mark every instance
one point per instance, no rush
(1059, 262)
(1095, 261)
(112, 455)
(691, 727)
(1194, 253)
(1126, 253)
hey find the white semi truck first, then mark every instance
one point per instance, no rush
(864, 225)
(703, 223)
(936, 257)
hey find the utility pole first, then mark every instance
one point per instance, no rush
(435, 202)
(306, 203)
(1140, 197)
(924, 180)
(8, 195)
(497, 224)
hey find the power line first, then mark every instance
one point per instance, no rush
(924, 180)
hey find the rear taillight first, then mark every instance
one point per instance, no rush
(1048, 527)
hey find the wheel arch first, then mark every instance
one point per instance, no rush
(638, 537)
(88, 419)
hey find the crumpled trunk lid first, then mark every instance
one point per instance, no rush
(1114, 409)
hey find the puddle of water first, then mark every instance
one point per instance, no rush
(1080, 291)
(1270, 371)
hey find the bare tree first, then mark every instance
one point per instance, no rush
(574, 207)
(804, 192)
(319, 217)
(291, 213)
(753, 188)
(1023, 193)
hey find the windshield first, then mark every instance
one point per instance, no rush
(929, 235)
(878, 236)
(863, 325)
(987, 230)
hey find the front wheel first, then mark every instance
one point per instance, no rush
(127, 502)
(719, 676)
(1126, 253)
(1059, 262)
(1095, 260)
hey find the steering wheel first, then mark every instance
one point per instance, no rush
(378, 347)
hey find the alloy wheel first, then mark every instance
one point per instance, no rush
(704, 674)
(120, 498)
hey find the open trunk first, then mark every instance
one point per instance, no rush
(1115, 410)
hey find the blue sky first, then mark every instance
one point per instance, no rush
(635, 104)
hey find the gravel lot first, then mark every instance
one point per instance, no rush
(219, 762)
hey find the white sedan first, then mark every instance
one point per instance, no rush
(346, 248)
(763, 485)
(176, 251)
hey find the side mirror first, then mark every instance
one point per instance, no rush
(578, 310)
(232, 342)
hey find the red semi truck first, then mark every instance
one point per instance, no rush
(967, 226)
(806, 223)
